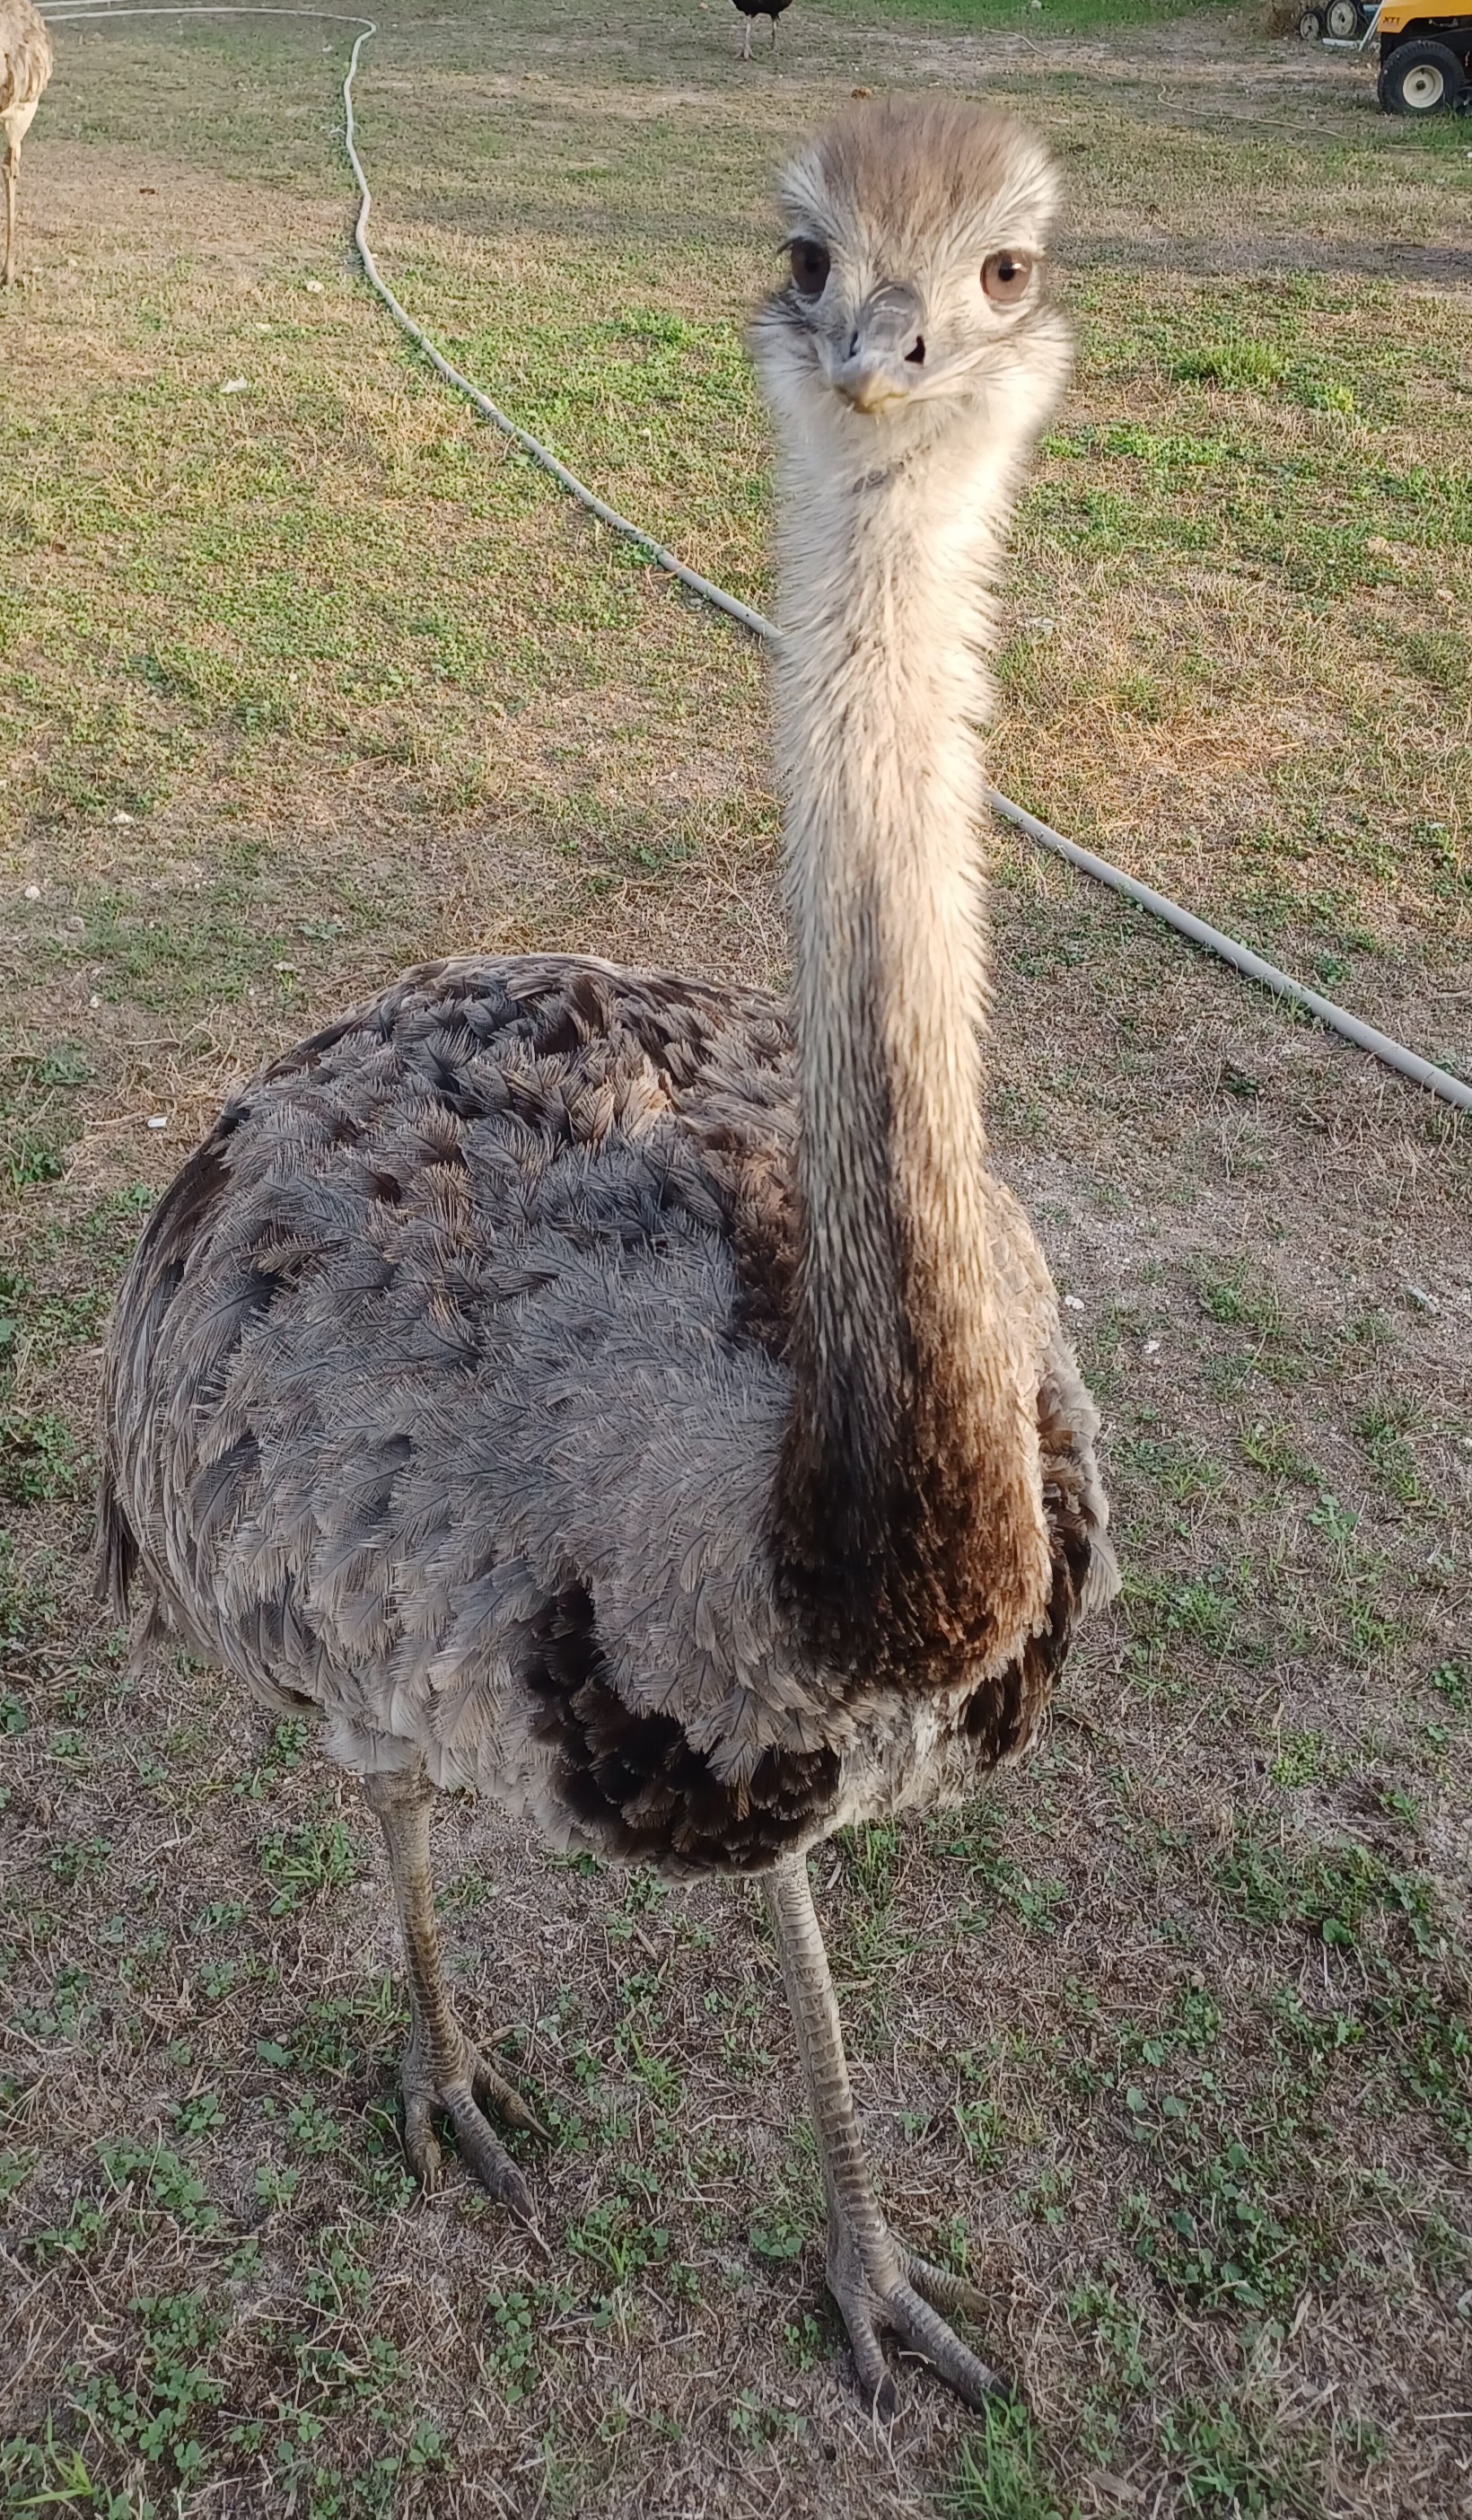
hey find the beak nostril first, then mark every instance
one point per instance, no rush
(916, 358)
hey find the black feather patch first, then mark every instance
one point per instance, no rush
(634, 1781)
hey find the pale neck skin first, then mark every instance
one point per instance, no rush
(916, 1405)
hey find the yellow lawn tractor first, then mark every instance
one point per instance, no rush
(1425, 54)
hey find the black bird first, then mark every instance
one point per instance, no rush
(750, 9)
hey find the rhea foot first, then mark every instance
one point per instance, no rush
(882, 2288)
(442, 2073)
(463, 2096)
(901, 2295)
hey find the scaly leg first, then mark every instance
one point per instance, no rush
(745, 39)
(442, 2070)
(773, 33)
(12, 171)
(879, 2285)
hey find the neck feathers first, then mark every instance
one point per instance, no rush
(908, 1526)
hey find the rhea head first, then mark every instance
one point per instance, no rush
(916, 287)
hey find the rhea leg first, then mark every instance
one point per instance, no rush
(442, 2070)
(745, 39)
(879, 2286)
(12, 172)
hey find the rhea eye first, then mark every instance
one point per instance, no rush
(1005, 277)
(810, 267)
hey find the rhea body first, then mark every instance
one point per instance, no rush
(25, 59)
(632, 1398)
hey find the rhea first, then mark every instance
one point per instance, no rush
(634, 1398)
(25, 67)
(750, 9)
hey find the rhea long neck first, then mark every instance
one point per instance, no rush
(909, 1522)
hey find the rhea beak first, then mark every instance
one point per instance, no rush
(887, 351)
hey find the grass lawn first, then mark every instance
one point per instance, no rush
(1167, 2039)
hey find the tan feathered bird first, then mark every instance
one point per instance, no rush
(24, 68)
(631, 1397)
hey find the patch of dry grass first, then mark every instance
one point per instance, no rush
(1167, 2039)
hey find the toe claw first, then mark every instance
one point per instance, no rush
(517, 2196)
(497, 2173)
(943, 2289)
(421, 2143)
(458, 2098)
(925, 2332)
(511, 2104)
(908, 2308)
(876, 2383)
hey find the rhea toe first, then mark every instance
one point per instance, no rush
(634, 1398)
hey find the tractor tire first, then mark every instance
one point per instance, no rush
(1343, 20)
(1311, 25)
(1420, 79)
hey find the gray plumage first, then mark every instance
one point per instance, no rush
(470, 1313)
(634, 1398)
